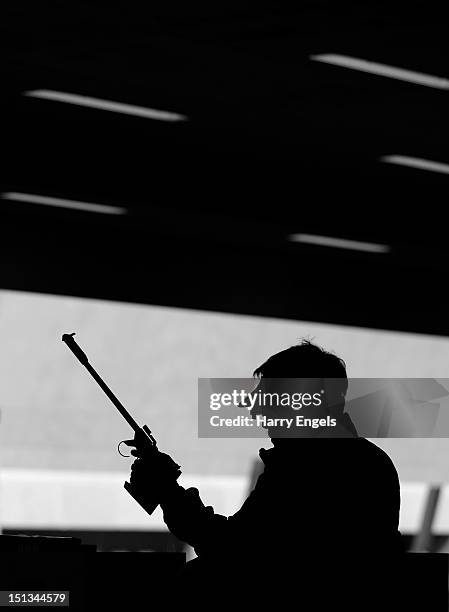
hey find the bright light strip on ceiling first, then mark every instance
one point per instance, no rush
(107, 105)
(30, 198)
(416, 162)
(340, 243)
(384, 70)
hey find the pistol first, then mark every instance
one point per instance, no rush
(143, 438)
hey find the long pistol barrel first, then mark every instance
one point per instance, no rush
(82, 357)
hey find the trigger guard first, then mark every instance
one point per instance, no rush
(118, 448)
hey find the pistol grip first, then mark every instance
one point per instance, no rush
(148, 504)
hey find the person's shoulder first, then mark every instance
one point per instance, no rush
(375, 454)
(368, 446)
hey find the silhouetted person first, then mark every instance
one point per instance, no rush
(316, 496)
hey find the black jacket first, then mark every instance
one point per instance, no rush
(313, 495)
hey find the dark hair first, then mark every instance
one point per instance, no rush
(304, 360)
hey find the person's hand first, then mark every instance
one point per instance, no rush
(153, 473)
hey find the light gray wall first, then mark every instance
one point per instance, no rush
(54, 415)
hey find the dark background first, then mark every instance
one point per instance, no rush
(275, 144)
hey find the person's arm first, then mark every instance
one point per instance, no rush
(190, 520)
(184, 513)
(200, 526)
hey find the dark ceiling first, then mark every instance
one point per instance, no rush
(274, 144)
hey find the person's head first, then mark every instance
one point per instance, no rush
(303, 360)
(312, 366)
